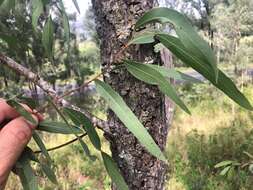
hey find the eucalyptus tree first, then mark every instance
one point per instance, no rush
(116, 25)
(134, 87)
(232, 22)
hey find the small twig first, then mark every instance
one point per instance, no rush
(45, 86)
(117, 56)
(85, 84)
(61, 145)
(82, 86)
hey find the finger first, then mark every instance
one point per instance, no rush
(13, 139)
(7, 112)
(39, 115)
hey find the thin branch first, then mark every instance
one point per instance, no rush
(46, 87)
(86, 83)
(62, 145)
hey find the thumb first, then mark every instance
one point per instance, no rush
(13, 139)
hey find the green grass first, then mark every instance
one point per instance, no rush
(217, 130)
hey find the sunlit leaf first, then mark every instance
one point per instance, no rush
(224, 83)
(152, 76)
(58, 127)
(42, 147)
(80, 119)
(185, 31)
(48, 37)
(119, 107)
(113, 172)
(22, 111)
(223, 163)
(225, 170)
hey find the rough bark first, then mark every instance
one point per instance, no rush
(115, 20)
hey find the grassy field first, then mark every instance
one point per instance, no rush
(217, 130)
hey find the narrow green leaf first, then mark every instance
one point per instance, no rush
(80, 119)
(86, 150)
(32, 103)
(45, 168)
(119, 107)
(143, 38)
(225, 170)
(152, 76)
(223, 163)
(42, 147)
(26, 174)
(58, 127)
(37, 10)
(49, 173)
(48, 37)
(185, 31)
(113, 172)
(65, 24)
(174, 74)
(224, 83)
(21, 110)
(66, 28)
(84, 146)
(24, 181)
(76, 5)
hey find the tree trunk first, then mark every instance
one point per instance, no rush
(115, 21)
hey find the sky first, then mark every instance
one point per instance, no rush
(83, 5)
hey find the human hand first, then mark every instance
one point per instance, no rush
(14, 137)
